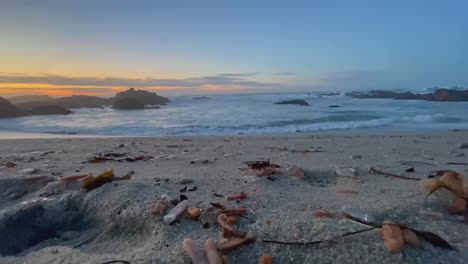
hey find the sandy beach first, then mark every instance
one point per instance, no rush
(113, 221)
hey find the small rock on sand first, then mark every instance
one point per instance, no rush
(463, 145)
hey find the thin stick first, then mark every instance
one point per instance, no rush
(456, 163)
(308, 243)
(417, 162)
(374, 171)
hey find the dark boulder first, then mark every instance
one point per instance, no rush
(145, 97)
(295, 102)
(7, 109)
(49, 110)
(128, 104)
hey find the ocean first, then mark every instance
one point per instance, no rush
(251, 114)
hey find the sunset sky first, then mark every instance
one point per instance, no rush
(94, 47)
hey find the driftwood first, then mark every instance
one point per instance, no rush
(374, 171)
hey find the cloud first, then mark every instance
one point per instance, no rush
(220, 79)
(286, 73)
(20, 83)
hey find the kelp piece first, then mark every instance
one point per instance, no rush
(392, 236)
(98, 181)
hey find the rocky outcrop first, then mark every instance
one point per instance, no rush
(294, 102)
(49, 110)
(145, 97)
(82, 101)
(128, 104)
(7, 109)
(30, 98)
(441, 95)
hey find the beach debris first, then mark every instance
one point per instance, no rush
(195, 253)
(29, 171)
(234, 211)
(217, 195)
(410, 169)
(457, 163)
(176, 212)
(160, 207)
(236, 242)
(346, 171)
(238, 196)
(392, 236)
(290, 150)
(416, 162)
(262, 168)
(201, 161)
(212, 253)
(9, 164)
(232, 220)
(229, 228)
(427, 236)
(297, 172)
(192, 189)
(410, 238)
(375, 171)
(463, 145)
(116, 261)
(194, 212)
(183, 189)
(96, 182)
(75, 178)
(321, 213)
(356, 157)
(453, 182)
(185, 181)
(265, 259)
(116, 156)
(270, 178)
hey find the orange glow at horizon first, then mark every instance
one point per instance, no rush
(12, 89)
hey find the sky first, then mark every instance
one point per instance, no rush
(98, 47)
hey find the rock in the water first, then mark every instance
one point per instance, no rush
(128, 104)
(334, 106)
(145, 97)
(295, 102)
(463, 145)
(49, 110)
(7, 109)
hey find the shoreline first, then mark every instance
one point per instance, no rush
(10, 135)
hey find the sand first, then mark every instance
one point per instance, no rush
(44, 221)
